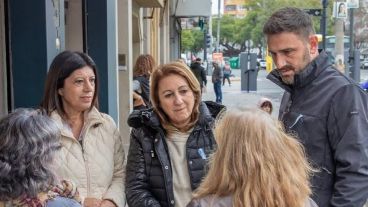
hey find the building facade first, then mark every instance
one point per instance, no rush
(235, 8)
(114, 33)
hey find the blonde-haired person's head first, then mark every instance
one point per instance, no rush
(180, 69)
(256, 163)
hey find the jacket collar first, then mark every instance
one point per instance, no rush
(149, 118)
(92, 118)
(306, 76)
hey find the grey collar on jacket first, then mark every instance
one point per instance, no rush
(307, 75)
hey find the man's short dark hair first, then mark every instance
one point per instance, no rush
(289, 19)
(198, 59)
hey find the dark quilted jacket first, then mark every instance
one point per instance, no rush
(149, 174)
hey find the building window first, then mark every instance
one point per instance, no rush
(230, 8)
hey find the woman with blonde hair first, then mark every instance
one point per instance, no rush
(171, 142)
(256, 165)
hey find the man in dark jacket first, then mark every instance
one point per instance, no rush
(199, 72)
(326, 110)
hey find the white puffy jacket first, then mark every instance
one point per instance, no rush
(97, 165)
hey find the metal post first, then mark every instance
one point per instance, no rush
(210, 32)
(351, 40)
(204, 45)
(218, 26)
(248, 71)
(323, 23)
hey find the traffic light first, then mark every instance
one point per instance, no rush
(208, 40)
(201, 24)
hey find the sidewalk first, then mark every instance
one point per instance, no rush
(233, 97)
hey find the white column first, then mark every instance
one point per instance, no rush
(3, 78)
(125, 73)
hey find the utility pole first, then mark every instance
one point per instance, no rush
(339, 44)
(323, 23)
(218, 26)
(210, 32)
(351, 37)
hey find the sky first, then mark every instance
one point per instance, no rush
(214, 6)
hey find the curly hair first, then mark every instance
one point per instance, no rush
(29, 140)
(144, 66)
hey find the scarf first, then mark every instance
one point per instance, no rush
(64, 189)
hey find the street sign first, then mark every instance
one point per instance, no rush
(218, 57)
(314, 12)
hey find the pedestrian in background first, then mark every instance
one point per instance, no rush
(92, 155)
(227, 73)
(29, 141)
(256, 164)
(265, 104)
(217, 75)
(325, 109)
(142, 70)
(170, 143)
(199, 73)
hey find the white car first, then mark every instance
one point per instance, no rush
(364, 64)
(262, 63)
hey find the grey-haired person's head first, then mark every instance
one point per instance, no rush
(29, 140)
(289, 19)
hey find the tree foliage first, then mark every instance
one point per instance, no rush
(234, 32)
(192, 40)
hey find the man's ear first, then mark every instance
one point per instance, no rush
(61, 91)
(313, 41)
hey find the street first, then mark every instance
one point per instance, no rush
(233, 96)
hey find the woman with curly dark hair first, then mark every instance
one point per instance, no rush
(141, 74)
(29, 141)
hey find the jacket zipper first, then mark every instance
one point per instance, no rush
(86, 163)
(296, 121)
(165, 171)
(84, 159)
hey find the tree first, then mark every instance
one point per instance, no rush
(234, 31)
(187, 40)
(192, 40)
(230, 37)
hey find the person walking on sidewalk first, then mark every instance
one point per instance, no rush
(199, 73)
(324, 108)
(141, 74)
(216, 80)
(227, 73)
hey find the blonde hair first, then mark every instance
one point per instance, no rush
(256, 163)
(180, 69)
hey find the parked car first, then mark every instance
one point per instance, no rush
(262, 63)
(364, 64)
